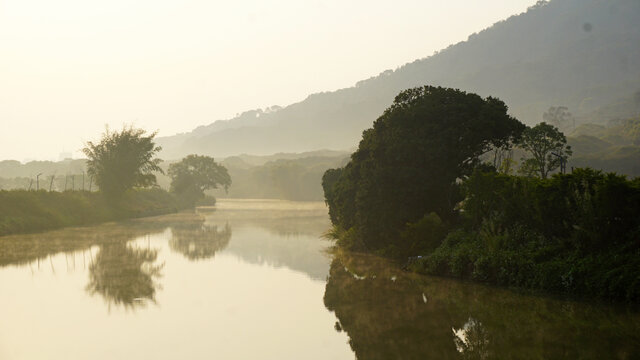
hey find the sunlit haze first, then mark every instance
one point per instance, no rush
(69, 67)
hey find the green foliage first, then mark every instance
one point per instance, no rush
(123, 160)
(345, 239)
(407, 165)
(548, 148)
(32, 211)
(422, 236)
(329, 179)
(194, 174)
(575, 233)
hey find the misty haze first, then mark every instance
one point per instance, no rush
(320, 179)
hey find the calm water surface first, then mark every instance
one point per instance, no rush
(252, 280)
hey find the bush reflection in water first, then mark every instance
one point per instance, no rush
(391, 314)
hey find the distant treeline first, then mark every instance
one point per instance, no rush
(287, 179)
(124, 167)
(49, 183)
(16, 175)
(287, 176)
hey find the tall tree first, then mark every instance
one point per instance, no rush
(195, 173)
(408, 164)
(548, 149)
(123, 160)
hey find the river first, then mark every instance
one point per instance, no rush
(253, 279)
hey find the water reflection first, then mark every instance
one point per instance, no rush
(25, 249)
(221, 280)
(276, 234)
(124, 275)
(472, 340)
(197, 240)
(391, 314)
(277, 307)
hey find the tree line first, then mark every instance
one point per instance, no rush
(123, 166)
(127, 159)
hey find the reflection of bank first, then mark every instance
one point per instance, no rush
(391, 314)
(384, 314)
(120, 273)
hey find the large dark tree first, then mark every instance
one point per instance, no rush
(409, 163)
(122, 160)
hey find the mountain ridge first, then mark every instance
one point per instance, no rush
(578, 53)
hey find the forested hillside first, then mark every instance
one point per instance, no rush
(582, 54)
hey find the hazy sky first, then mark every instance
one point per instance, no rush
(68, 67)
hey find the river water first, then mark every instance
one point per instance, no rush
(252, 279)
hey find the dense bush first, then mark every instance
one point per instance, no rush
(576, 233)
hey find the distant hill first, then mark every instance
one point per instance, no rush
(582, 54)
(612, 148)
(281, 176)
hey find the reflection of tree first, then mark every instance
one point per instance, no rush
(197, 240)
(124, 275)
(472, 340)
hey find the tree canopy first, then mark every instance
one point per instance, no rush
(123, 160)
(194, 174)
(408, 164)
(548, 149)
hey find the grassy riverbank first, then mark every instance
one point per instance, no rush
(32, 211)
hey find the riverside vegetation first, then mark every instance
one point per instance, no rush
(124, 167)
(417, 187)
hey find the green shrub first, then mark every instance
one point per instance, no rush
(573, 234)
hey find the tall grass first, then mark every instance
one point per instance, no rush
(32, 211)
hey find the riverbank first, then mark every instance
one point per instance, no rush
(573, 235)
(34, 211)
